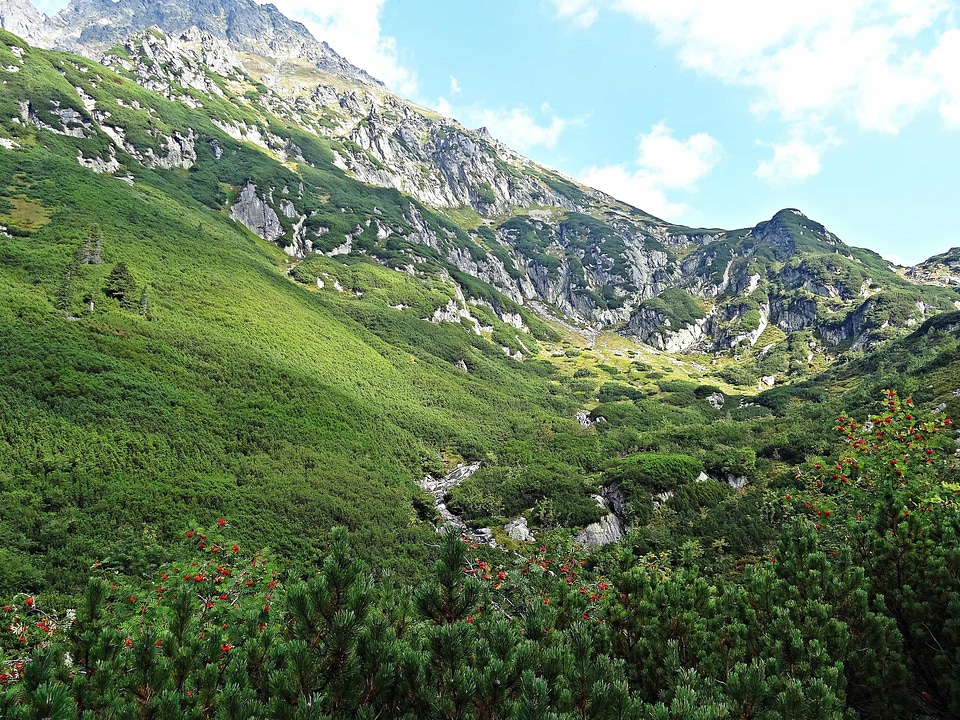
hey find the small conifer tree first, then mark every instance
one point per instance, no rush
(121, 285)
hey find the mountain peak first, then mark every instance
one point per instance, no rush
(92, 27)
(790, 228)
(22, 18)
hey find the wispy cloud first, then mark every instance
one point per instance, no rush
(580, 12)
(664, 164)
(870, 65)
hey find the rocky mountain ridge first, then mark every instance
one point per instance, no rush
(261, 81)
(942, 270)
(91, 27)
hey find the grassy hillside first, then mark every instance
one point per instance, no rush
(235, 390)
(162, 367)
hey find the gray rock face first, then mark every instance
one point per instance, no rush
(180, 153)
(610, 529)
(605, 532)
(254, 212)
(518, 530)
(435, 160)
(439, 489)
(21, 18)
(737, 482)
(615, 499)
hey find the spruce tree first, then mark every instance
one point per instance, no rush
(91, 249)
(65, 291)
(121, 285)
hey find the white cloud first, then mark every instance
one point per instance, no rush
(518, 128)
(867, 65)
(454, 86)
(637, 188)
(792, 161)
(870, 60)
(664, 164)
(352, 29)
(944, 64)
(581, 12)
(676, 163)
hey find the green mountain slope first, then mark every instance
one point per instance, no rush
(233, 390)
(164, 366)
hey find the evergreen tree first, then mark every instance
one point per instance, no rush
(121, 285)
(453, 595)
(91, 249)
(145, 304)
(65, 291)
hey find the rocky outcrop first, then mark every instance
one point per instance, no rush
(91, 27)
(179, 152)
(439, 489)
(605, 532)
(256, 214)
(21, 18)
(586, 419)
(518, 530)
(656, 330)
(611, 528)
(942, 270)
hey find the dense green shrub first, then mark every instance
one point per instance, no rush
(741, 375)
(613, 391)
(690, 499)
(655, 472)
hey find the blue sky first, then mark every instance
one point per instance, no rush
(712, 114)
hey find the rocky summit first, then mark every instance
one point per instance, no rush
(537, 237)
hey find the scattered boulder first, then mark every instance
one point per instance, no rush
(608, 530)
(737, 482)
(605, 532)
(518, 530)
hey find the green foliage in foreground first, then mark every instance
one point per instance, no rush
(851, 616)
